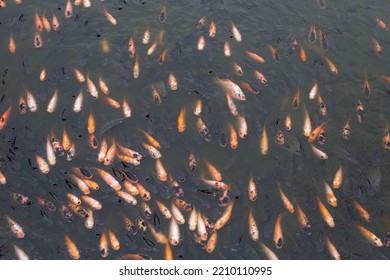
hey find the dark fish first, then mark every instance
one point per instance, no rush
(222, 139)
(130, 176)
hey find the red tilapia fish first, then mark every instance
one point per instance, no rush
(125, 137)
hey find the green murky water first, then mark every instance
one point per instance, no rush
(349, 28)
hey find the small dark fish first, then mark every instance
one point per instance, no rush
(163, 15)
(86, 173)
(323, 40)
(156, 220)
(21, 17)
(320, 241)
(149, 242)
(222, 139)
(130, 176)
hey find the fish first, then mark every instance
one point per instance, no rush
(370, 237)
(15, 228)
(361, 211)
(332, 249)
(307, 124)
(237, 69)
(163, 15)
(278, 233)
(346, 131)
(55, 23)
(323, 40)
(92, 88)
(181, 121)
(109, 17)
(330, 197)
(5, 117)
(253, 229)
(331, 66)
(211, 243)
(225, 217)
(318, 153)
(236, 33)
(377, 47)
(314, 91)
(302, 219)
(296, 99)
(201, 43)
(268, 252)
(11, 44)
(212, 29)
(274, 53)
(360, 113)
(288, 122)
(326, 216)
(252, 190)
(338, 178)
(254, 56)
(381, 24)
(302, 54)
(285, 200)
(226, 49)
(31, 102)
(316, 132)
(51, 106)
(73, 251)
(312, 34)
(264, 142)
(20, 253)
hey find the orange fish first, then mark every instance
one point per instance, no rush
(212, 29)
(5, 117)
(68, 9)
(285, 200)
(361, 211)
(222, 221)
(46, 23)
(163, 56)
(38, 22)
(72, 248)
(314, 134)
(332, 249)
(131, 47)
(331, 66)
(254, 56)
(370, 237)
(109, 17)
(296, 99)
(181, 121)
(55, 23)
(381, 24)
(278, 233)
(303, 53)
(302, 218)
(338, 178)
(11, 45)
(109, 179)
(325, 213)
